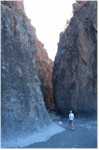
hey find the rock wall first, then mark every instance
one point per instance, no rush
(23, 110)
(75, 67)
(45, 68)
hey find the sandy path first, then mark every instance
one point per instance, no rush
(84, 135)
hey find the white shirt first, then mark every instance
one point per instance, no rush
(71, 116)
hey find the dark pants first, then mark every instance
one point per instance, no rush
(71, 122)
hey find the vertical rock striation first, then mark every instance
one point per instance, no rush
(23, 110)
(75, 67)
(45, 68)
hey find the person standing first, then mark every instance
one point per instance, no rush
(71, 120)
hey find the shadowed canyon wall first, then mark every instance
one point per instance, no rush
(45, 68)
(26, 71)
(75, 67)
(22, 104)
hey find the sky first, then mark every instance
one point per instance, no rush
(49, 18)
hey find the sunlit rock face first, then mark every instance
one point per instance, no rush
(22, 105)
(45, 68)
(75, 67)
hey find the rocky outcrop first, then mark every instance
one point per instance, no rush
(23, 110)
(75, 67)
(45, 68)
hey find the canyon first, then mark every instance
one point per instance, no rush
(32, 85)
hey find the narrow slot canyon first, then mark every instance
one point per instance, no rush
(37, 92)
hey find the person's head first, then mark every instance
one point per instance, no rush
(70, 111)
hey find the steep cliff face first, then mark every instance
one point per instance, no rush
(23, 110)
(75, 67)
(45, 68)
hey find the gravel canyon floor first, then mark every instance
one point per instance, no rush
(84, 135)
